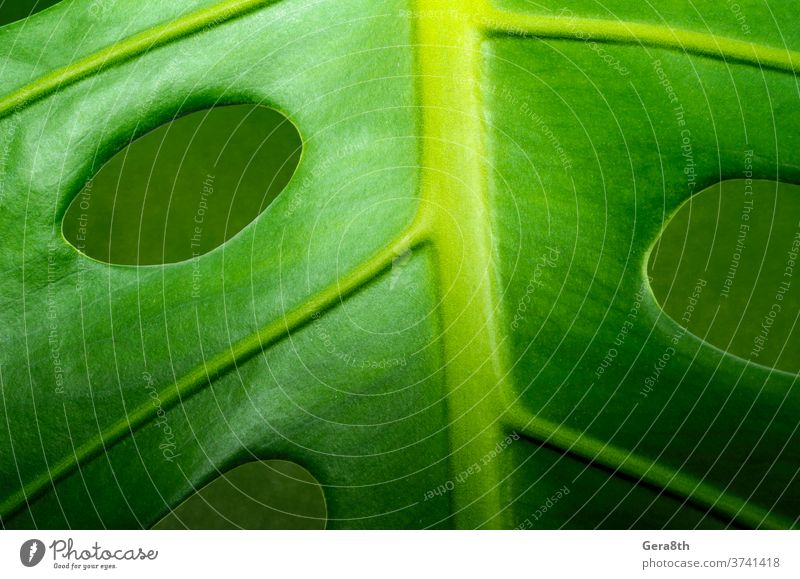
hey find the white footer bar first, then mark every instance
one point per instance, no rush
(390, 554)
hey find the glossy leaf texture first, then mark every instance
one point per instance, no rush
(445, 316)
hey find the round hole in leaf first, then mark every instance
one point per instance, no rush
(272, 494)
(724, 269)
(185, 187)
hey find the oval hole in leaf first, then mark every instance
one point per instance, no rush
(272, 494)
(184, 188)
(723, 268)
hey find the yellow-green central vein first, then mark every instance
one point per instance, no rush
(454, 193)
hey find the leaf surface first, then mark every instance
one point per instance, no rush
(423, 318)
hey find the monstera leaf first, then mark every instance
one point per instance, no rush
(445, 316)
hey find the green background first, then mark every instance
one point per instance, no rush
(261, 147)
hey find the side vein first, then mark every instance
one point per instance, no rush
(491, 20)
(199, 377)
(126, 49)
(677, 483)
(497, 21)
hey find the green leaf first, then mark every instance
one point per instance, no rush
(445, 315)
